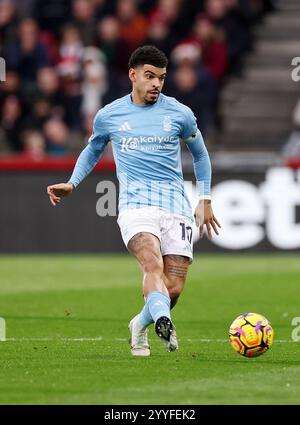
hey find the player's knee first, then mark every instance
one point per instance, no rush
(146, 248)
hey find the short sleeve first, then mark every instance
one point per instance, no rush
(189, 124)
(100, 136)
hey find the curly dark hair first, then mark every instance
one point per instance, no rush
(150, 55)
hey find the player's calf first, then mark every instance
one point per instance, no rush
(175, 272)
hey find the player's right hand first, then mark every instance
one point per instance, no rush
(57, 191)
(204, 216)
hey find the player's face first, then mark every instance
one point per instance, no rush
(147, 81)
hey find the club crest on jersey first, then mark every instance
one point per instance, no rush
(167, 125)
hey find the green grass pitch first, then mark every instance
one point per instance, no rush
(67, 337)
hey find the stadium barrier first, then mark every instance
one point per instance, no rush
(258, 211)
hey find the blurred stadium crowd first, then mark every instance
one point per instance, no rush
(65, 59)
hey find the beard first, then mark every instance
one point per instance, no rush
(151, 102)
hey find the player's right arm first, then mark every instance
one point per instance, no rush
(204, 215)
(85, 162)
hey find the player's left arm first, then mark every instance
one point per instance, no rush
(204, 215)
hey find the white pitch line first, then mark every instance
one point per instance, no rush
(100, 338)
(280, 341)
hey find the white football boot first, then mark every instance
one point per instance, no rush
(166, 331)
(139, 338)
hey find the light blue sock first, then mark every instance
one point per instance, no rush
(145, 317)
(159, 305)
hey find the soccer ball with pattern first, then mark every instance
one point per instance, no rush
(251, 334)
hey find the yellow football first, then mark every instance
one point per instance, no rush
(251, 334)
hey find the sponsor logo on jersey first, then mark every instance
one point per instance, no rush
(147, 143)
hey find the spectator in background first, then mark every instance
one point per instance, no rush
(26, 54)
(115, 49)
(188, 87)
(212, 45)
(48, 86)
(69, 70)
(56, 134)
(11, 122)
(159, 34)
(34, 145)
(186, 53)
(70, 51)
(71, 90)
(146, 5)
(191, 84)
(133, 25)
(167, 11)
(108, 38)
(51, 15)
(12, 85)
(25, 8)
(176, 17)
(104, 8)
(84, 18)
(52, 46)
(94, 84)
(8, 23)
(39, 112)
(227, 16)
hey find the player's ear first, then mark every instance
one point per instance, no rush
(132, 75)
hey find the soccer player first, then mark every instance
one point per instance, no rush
(155, 217)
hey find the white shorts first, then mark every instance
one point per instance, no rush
(174, 231)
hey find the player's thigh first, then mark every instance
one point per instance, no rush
(139, 221)
(141, 234)
(175, 271)
(146, 249)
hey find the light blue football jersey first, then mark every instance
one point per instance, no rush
(146, 147)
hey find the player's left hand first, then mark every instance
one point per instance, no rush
(204, 216)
